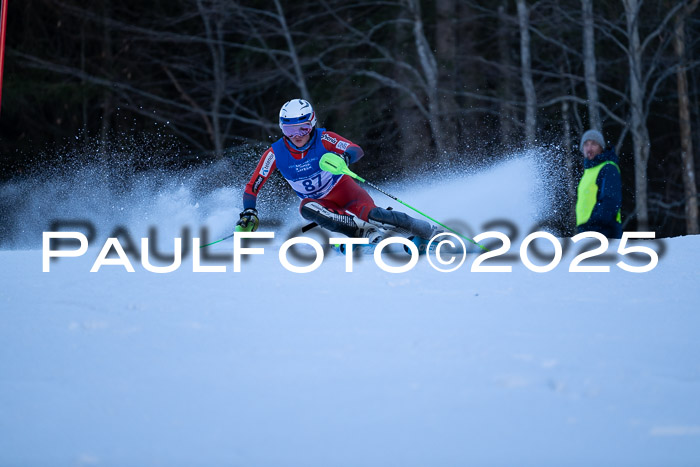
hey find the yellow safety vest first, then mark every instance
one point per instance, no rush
(587, 193)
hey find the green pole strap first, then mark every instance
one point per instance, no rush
(336, 165)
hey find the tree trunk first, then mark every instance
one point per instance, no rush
(108, 97)
(430, 73)
(571, 178)
(505, 114)
(688, 161)
(525, 63)
(589, 64)
(446, 55)
(213, 27)
(413, 129)
(638, 129)
(296, 62)
(83, 81)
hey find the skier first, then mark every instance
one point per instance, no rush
(600, 189)
(335, 202)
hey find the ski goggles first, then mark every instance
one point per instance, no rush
(296, 129)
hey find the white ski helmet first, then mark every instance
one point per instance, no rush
(296, 112)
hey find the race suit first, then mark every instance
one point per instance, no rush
(338, 193)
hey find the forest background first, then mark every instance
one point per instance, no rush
(461, 83)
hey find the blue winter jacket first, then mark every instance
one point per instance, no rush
(604, 218)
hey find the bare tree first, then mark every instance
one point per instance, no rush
(446, 58)
(642, 91)
(570, 178)
(108, 95)
(293, 54)
(411, 124)
(506, 115)
(526, 65)
(589, 64)
(213, 92)
(688, 161)
(419, 73)
(213, 18)
(413, 73)
(640, 134)
(428, 66)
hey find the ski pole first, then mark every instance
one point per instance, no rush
(220, 240)
(336, 165)
(237, 229)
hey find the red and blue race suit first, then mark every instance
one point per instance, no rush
(301, 169)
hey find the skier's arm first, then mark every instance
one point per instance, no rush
(353, 154)
(335, 143)
(262, 172)
(609, 195)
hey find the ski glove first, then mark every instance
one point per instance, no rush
(346, 157)
(249, 221)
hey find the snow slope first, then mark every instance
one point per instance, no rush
(268, 367)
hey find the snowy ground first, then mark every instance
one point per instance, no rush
(268, 367)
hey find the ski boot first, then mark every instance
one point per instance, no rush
(368, 231)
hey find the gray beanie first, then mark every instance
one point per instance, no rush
(593, 135)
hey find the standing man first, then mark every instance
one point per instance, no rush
(335, 202)
(599, 196)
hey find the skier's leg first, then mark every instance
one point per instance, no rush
(350, 197)
(327, 215)
(347, 196)
(400, 222)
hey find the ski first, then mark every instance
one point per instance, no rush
(367, 249)
(421, 243)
